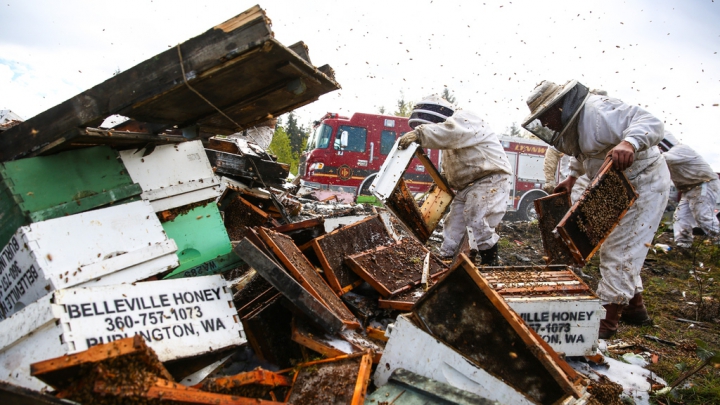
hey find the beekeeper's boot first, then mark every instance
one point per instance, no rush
(609, 325)
(489, 257)
(636, 313)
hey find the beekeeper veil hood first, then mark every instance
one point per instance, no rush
(431, 110)
(668, 142)
(554, 111)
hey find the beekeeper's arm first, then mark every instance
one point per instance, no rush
(460, 131)
(576, 170)
(638, 129)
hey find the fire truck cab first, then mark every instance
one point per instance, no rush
(344, 154)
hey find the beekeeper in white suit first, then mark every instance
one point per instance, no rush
(474, 163)
(699, 186)
(590, 127)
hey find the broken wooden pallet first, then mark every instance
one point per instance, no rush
(237, 65)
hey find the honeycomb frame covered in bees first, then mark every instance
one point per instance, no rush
(597, 212)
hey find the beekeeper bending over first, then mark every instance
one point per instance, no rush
(699, 186)
(590, 127)
(475, 165)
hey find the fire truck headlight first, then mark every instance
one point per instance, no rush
(317, 166)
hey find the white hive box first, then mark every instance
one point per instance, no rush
(178, 318)
(559, 306)
(173, 175)
(123, 243)
(413, 349)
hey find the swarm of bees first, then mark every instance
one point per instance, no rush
(602, 207)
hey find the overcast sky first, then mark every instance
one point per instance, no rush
(661, 54)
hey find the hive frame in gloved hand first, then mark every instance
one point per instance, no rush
(390, 188)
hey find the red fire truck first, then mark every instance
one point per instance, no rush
(344, 154)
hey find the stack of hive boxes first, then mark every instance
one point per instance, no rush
(89, 223)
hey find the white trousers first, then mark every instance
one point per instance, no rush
(481, 206)
(580, 185)
(696, 208)
(623, 253)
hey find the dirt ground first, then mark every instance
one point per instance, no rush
(679, 284)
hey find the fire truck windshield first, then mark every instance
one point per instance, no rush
(357, 138)
(321, 138)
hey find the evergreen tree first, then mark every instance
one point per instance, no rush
(447, 96)
(297, 134)
(404, 107)
(280, 147)
(514, 130)
(381, 110)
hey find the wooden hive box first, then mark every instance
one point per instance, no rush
(597, 212)
(42, 188)
(554, 302)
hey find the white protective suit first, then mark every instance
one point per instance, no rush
(605, 122)
(580, 185)
(474, 163)
(259, 135)
(699, 186)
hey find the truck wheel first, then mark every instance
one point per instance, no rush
(527, 212)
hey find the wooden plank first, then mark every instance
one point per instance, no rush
(467, 246)
(291, 289)
(301, 50)
(305, 335)
(240, 215)
(438, 178)
(15, 395)
(362, 381)
(434, 208)
(222, 145)
(257, 376)
(303, 232)
(292, 258)
(172, 393)
(405, 306)
(377, 334)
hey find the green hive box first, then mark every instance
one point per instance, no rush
(41, 188)
(201, 237)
